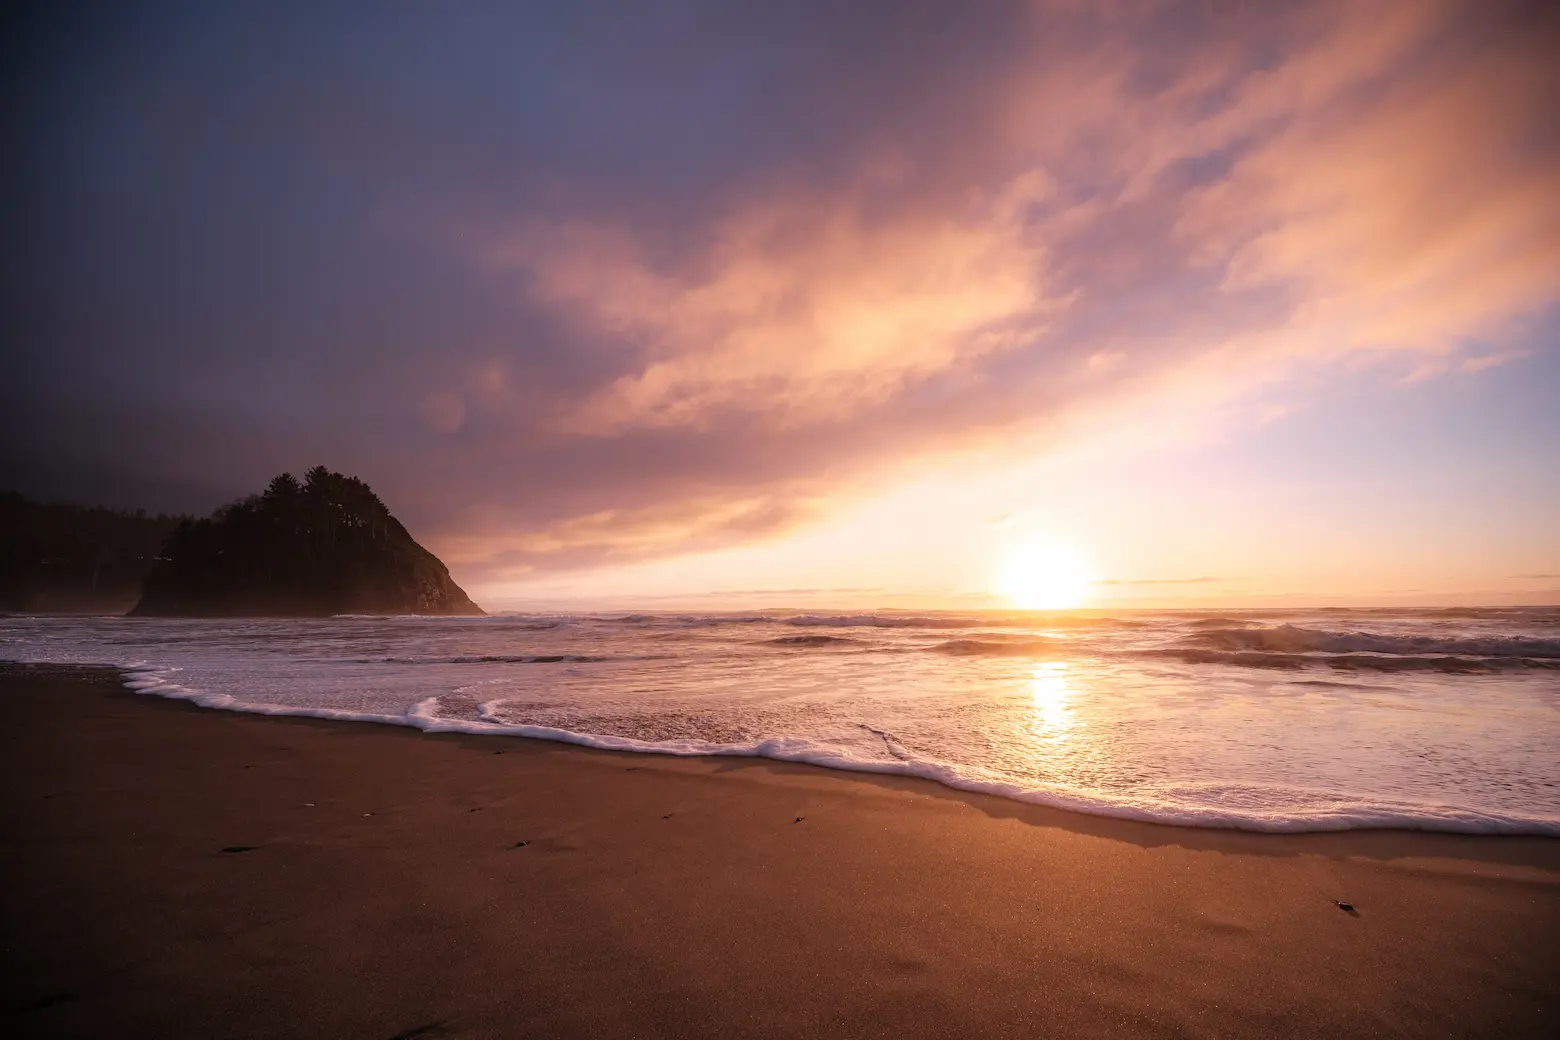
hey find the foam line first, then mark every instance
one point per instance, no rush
(1328, 814)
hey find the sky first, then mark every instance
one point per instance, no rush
(700, 304)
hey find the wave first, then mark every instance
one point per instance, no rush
(454, 619)
(1522, 615)
(1450, 663)
(878, 621)
(1247, 807)
(1292, 639)
(491, 659)
(1074, 621)
(955, 622)
(994, 647)
(528, 623)
(809, 641)
(711, 620)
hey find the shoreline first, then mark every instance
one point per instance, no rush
(1406, 817)
(381, 891)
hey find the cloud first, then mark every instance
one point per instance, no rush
(800, 306)
(572, 286)
(751, 594)
(1401, 206)
(621, 535)
(1162, 581)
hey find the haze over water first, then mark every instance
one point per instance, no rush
(1287, 721)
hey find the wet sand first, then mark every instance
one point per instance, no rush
(172, 871)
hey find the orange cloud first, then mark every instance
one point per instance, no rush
(618, 535)
(1413, 219)
(1122, 215)
(628, 287)
(801, 307)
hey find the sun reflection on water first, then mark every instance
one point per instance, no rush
(1052, 695)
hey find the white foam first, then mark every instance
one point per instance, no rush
(1095, 727)
(151, 681)
(1266, 809)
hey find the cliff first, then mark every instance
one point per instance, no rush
(324, 546)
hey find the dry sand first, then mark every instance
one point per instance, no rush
(382, 895)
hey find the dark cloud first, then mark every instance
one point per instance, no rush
(589, 282)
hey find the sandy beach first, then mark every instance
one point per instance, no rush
(174, 871)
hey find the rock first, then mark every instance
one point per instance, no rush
(325, 546)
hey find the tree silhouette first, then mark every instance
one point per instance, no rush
(327, 545)
(75, 558)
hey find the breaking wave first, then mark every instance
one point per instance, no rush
(1292, 639)
(878, 621)
(994, 647)
(488, 659)
(1030, 621)
(809, 641)
(1451, 664)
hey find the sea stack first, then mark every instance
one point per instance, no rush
(325, 545)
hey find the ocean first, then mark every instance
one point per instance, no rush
(1318, 720)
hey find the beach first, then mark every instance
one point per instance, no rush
(174, 870)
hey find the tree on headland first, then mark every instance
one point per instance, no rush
(323, 545)
(59, 557)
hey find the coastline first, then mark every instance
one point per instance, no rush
(1077, 721)
(381, 893)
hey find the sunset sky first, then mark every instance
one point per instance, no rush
(715, 305)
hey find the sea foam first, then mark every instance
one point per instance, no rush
(1230, 806)
(1233, 720)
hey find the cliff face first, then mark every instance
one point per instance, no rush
(324, 546)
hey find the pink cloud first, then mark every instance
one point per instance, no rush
(667, 283)
(1375, 182)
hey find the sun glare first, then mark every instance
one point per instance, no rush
(1046, 575)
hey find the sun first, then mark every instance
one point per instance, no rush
(1045, 575)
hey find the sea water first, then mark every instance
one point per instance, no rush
(1444, 720)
